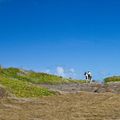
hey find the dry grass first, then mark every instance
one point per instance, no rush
(80, 106)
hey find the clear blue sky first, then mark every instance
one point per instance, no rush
(76, 35)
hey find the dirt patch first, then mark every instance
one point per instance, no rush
(97, 104)
(2, 92)
(79, 106)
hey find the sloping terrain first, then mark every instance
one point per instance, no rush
(34, 77)
(95, 102)
(80, 106)
(22, 83)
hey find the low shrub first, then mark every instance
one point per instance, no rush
(112, 79)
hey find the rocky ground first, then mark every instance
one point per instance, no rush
(77, 87)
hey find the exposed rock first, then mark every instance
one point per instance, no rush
(88, 87)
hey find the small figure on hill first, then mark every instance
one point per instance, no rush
(89, 76)
(86, 76)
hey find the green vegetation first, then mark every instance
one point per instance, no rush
(112, 79)
(35, 77)
(21, 83)
(23, 89)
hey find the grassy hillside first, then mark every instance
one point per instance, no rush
(112, 79)
(23, 89)
(34, 77)
(21, 83)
